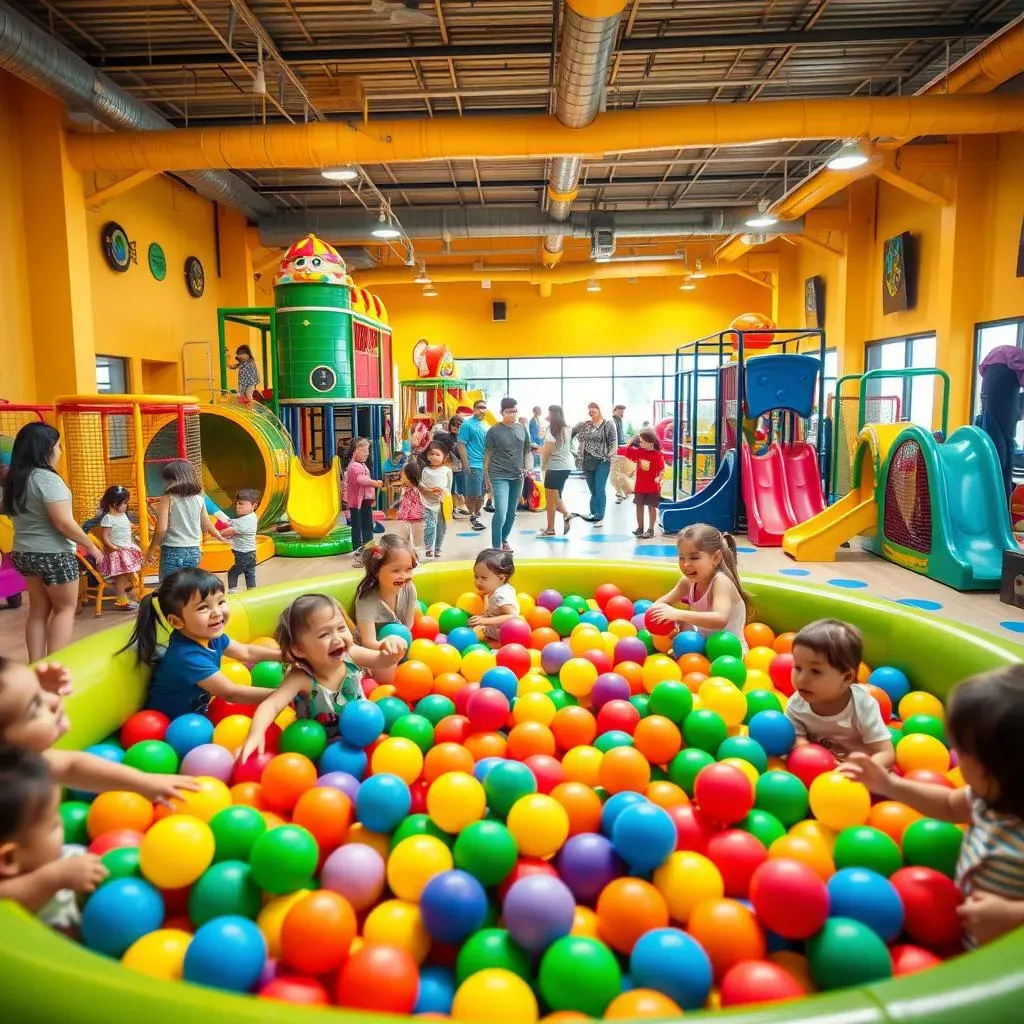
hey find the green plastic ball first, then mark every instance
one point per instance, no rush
(722, 644)
(304, 736)
(564, 620)
(704, 729)
(647, 639)
(506, 783)
(761, 700)
(864, 847)
(927, 724)
(658, 774)
(122, 862)
(561, 699)
(581, 974)
(422, 605)
(783, 796)
(895, 734)
(416, 728)
(846, 953)
(393, 709)
(74, 814)
(487, 851)
(726, 666)
(671, 700)
(933, 844)
(642, 702)
(152, 756)
(224, 888)
(491, 947)
(684, 767)
(284, 859)
(612, 739)
(434, 707)
(267, 674)
(576, 603)
(745, 749)
(418, 825)
(764, 827)
(452, 618)
(234, 830)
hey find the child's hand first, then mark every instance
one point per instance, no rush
(985, 917)
(82, 873)
(227, 531)
(162, 789)
(861, 768)
(54, 678)
(476, 621)
(663, 613)
(255, 743)
(393, 646)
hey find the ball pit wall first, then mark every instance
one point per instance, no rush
(46, 977)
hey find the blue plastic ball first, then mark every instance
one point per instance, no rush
(687, 642)
(501, 679)
(395, 629)
(228, 953)
(462, 637)
(187, 732)
(437, 990)
(453, 905)
(774, 731)
(342, 757)
(641, 605)
(120, 912)
(361, 722)
(644, 835)
(868, 897)
(673, 963)
(615, 805)
(595, 618)
(611, 739)
(382, 802)
(892, 680)
(484, 765)
(114, 752)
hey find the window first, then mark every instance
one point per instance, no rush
(112, 379)
(917, 394)
(986, 338)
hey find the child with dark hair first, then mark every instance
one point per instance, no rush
(492, 571)
(122, 557)
(242, 532)
(435, 485)
(985, 723)
(248, 372)
(411, 508)
(645, 452)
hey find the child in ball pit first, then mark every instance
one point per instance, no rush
(491, 574)
(985, 723)
(325, 667)
(828, 705)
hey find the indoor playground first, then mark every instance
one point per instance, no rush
(781, 244)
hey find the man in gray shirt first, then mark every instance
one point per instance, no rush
(506, 458)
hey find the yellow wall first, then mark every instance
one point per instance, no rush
(1003, 292)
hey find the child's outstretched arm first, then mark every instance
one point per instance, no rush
(663, 610)
(251, 653)
(723, 598)
(163, 511)
(291, 686)
(368, 635)
(505, 612)
(932, 801)
(78, 769)
(81, 873)
(208, 528)
(388, 655)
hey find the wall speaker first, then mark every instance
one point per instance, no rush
(499, 312)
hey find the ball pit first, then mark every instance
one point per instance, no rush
(694, 925)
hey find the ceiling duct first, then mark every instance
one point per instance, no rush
(28, 53)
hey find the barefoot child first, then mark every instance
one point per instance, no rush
(491, 574)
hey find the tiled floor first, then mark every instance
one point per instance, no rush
(855, 570)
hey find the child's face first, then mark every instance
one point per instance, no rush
(396, 571)
(325, 641)
(487, 580)
(435, 457)
(696, 565)
(121, 507)
(644, 443)
(30, 717)
(816, 680)
(243, 357)
(37, 843)
(362, 453)
(243, 507)
(203, 618)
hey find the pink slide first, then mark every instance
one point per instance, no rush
(780, 489)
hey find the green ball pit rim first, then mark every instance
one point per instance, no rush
(46, 977)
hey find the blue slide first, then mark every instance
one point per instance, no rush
(715, 504)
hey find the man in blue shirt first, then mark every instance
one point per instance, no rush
(472, 438)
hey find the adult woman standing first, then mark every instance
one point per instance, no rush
(557, 463)
(45, 534)
(597, 443)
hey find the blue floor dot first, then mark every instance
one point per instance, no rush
(847, 584)
(1013, 627)
(795, 572)
(922, 604)
(746, 551)
(609, 538)
(655, 551)
(555, 540)
(526, 533)
(472, 533)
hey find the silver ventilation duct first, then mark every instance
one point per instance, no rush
(27, 52)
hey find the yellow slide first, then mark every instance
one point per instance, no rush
(314, 499)
(818, 539)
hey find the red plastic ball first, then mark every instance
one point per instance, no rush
(780, 669)
(737, 855)
(251, 769)
(379, 978)
(144, 725)
(525, 867)
(605, 593)
(657, 627)
(515, 631)
(452, 729)
(515, 657)
(929, 778)
(461, 698)
(418, 792)
(425, 628)
(115, 841)
(599, 660)
(487, 710)
(548, 771)
(930, 902)
(297, 990)
(809, 761)
(723, 793)
(758, 981)
(693, 829)
(908, 959)
(220, 709)
(789, 898)
(617, 716)
(618, 607)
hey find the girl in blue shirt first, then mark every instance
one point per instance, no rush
(193, 603)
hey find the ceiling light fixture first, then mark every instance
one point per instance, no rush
(851, 155)
(761, 219)
(593, 285)
(385, 230)
(698, 272)
(422, 277)
(687, 285)
(343, 173)
(259, 81)
(430, 292)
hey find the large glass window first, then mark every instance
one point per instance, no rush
(988, 337)
(917, 394)
(112, 379)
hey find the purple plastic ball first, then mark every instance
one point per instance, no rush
(609, 686)
(271, 969)
(587, 863)
(538, 910)
(554, 656)
(630, 648)
(348, 784)
(638, 622)
(209, 759)
(550, 599)
(357, 872)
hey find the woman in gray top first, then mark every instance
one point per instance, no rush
(45, 534)
(506, 459)
(597, 442)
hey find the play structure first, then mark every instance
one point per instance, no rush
(935, 507)
(767, 473)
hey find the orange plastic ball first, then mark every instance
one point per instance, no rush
(564, 1017)
(757, 634)
(666, 794)
(538, 617)
(622, 769)
(657, 738)
(317, 932)
(640, 1003)
(116, 810)
(863, 672)
(582, 805)
(626, 909)
(883, 699)
(471, 603)
(486, 744)
(448, 684)
(447, 757)
(893, 818)
(573, 727)
(542, 636)
(812, 852)
(694, 663)
(248, 793)
(784, 643)
(529, 738)
(728, 932)
(327, 813)
(285, 779)
(693, 680)
(633, 674)
(382, 691)
(413, 681)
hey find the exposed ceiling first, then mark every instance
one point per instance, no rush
(195, 62)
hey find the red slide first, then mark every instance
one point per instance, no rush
(780, 489)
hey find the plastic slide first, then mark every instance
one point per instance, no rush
(715, 504)
(818, 539)
(803, 481)
(314, 499)
(766, 496)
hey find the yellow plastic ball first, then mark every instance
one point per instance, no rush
(271, 918)
(231, 732)
(811, 852)
(285, 718)
(816, 831)
(533, 707)
(535, 658)
(863, 672)
(746, 767)
(586, 638)
(917, 702)
(956, 777)
(398, 756)
(399, 924)
(414, 862)
(584, 923)
(443, 658)
(534, 682)
(266, 641)
(658, 668)
(757, 680)
(592, 604)
(759, 658)
(539, 824)
(725, 699)
(622, 628)
(582, 764)
(471, 603)
(211, 798)
(609, 640)
(420, 650)
(434, 611)
(455, 800)
(475, 664)
(840, 802)
(176, 851)
(527, 605)
(160, 954)
(497, 995)
(685, 880)
(920, 752)
(378, 841)
(578, 676)
(236, 672)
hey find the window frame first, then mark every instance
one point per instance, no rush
(908, 364)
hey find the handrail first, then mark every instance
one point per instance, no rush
(922, 371)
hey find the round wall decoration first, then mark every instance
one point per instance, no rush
(157, 261)
(322, 379)
(195, 277)
(119, 252)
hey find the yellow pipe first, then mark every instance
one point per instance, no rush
(321, 143)
(822, 186)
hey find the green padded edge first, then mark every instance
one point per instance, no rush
(47, 977)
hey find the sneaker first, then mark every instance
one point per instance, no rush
(459, 513)
(488, 507)
(429, 553)
(649, 535)
(127, 605)
(506, 547)
(638, 533)
(439, 554)
(619, 499)
(597, 522)
(476, 524)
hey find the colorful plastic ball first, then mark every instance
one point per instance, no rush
(160, 954)
(723, 793)
(927, 724)
(908, 959)
(142, 726)
(570, 959)
(773, 730)
(360, 722)
(462, 637)
(744, 749)
(780, 671)
(892, 680)
(118, 810)
(379, 978)
(657, 738)
(641, 1003)
(285, 779)
(283, 859)
(564, 620)
(326, 813)
(782, 795)
(920, 752)
(630, 649)
(763, 826)
(737, 855)
(867, 847)
(868, 897)
(436, 991)
(415, 728)
(152, 756)
(659, 668)
(176, 851)
(728, 932)
(504, 679)
(506, 783)
(413, 862)
(294, 989)
(917, 702)
(704, 729)
(230, 732)
(578, 676)
(456, 800)
(537, 910)
(210, 798)
(623, 768)
(187, 732)
(539, 824)
(487, 709)
(553, 656)
(120, 861)
(724, 699)
(687, 879)
(119, 913)
(224, 888)
(839, 802)
(933, 844)
(495, 995)
(550, 599)
(604, 593)
(344, 758)
(609, 686)
(317, 932)
(656, 625)
(727, 666)
(587, 863)
(487, 851)
(643, 836)
(846, 953)
(492, 948)
(674, 964)
(755, 982)
(413, 681)
(930, 902)
(810, 760)
(688, 641)
(383, 799)
(789, 898)
(235, 829)
(211, 760)
(452, 618)
(723, 643)
(687, 764)
(399, 925)
(267, 674)
(357, 872)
